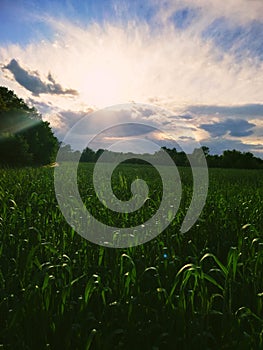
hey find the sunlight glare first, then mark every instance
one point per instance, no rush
(103, 85)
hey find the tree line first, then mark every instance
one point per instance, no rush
(229, 158)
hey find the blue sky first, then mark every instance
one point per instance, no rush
(29, 21)
(202, 59)
(241, 39)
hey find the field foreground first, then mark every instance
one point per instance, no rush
(203, 289)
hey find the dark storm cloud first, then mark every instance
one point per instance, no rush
(235, 127)
(33, 83)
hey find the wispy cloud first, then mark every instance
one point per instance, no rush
(238, 11)
(112, 64)
(246, 110)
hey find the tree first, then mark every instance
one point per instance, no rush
(88, 155)
(68, 154)
(25, 138)
(14, 151)
(205, 150)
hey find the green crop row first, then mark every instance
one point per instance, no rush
(203, 289)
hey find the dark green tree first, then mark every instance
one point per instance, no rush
(25, 139)
(88, 155)
(14, 151)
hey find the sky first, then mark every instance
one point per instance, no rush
(196, 66)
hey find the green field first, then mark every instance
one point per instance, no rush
(200, 290)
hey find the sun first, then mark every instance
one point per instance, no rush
(103, 86)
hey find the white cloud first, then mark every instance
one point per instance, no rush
(109, 64)
(114, 64)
